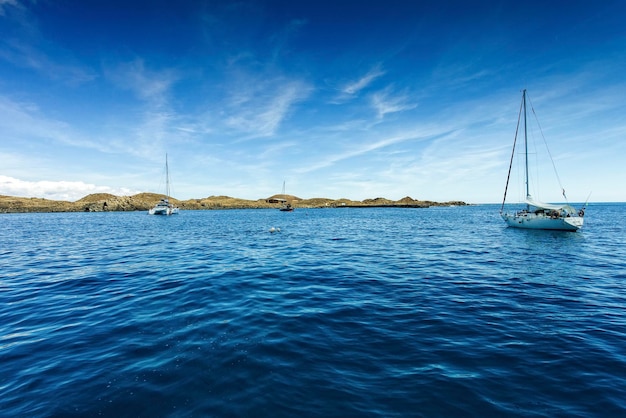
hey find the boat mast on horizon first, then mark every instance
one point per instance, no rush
(539, 215)
(164, 207)
(286, 206)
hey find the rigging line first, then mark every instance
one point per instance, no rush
(519, 117)
(548, 149)
(587, 200)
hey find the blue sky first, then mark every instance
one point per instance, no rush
(354, 99)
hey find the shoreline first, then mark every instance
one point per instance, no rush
(102, 202)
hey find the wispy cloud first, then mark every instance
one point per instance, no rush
(24, 121)
(151, 86)
(27, 56)
(365, 148)
(271, 151)
(25, 47)
(385, 102)
(354, 87)
(281, 38)
(261, 113)
(4, 4)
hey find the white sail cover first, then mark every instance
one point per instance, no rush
(548, 206)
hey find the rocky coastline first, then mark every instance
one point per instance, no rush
(103, 202)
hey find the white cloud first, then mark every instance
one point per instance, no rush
(365, 148)
(261, 113)
(150, 86)
(56, 190)
(384, 103)
(23, 121)
(355, 87)
(153, 129)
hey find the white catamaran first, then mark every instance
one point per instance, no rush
(536, 214)
(164, 207)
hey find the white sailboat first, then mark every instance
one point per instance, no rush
(286, 206)
(536, 214)
(164, 207)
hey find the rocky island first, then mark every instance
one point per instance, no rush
(103, 202)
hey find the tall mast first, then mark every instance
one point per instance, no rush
(167, 179)
(526, 147)
(508, 177)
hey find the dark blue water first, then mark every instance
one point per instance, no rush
(343, 313)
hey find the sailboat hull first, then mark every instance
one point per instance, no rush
(163, 208)
(533, 221)
(158, 211)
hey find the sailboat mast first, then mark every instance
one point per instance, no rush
(167, 179)
(526, 147)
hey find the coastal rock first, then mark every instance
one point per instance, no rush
(104, 202)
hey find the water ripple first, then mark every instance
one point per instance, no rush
(364, 313)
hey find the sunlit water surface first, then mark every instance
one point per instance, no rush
(343, 313)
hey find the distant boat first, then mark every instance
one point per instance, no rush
(536, 214)
(286, 206)
(164, 207)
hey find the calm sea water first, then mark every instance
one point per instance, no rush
(343, 313)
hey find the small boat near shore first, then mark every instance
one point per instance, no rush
(164, 207)
(285, 206)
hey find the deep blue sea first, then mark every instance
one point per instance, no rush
(438, 312)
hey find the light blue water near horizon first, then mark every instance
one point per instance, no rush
(343, 313)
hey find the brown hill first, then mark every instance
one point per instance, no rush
(316, 202)
(287, 197)
(152, 197)
(223, 202)
(96, 197)
(10, 204)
